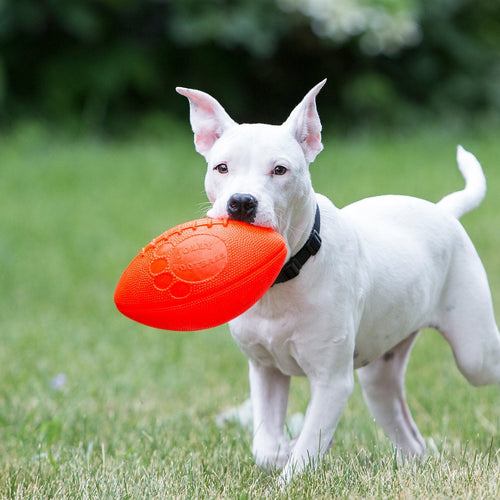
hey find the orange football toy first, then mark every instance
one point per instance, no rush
(200, 274)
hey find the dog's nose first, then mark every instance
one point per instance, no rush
(242, 207)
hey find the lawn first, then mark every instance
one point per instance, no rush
(93, 405)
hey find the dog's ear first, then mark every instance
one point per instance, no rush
(305, 125)
(208, 119)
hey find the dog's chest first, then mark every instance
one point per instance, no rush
(268, 342)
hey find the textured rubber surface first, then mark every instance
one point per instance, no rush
(200, 274)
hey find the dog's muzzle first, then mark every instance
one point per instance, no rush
(242, 207)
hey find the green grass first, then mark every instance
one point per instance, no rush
(136, 416)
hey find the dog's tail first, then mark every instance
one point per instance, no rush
(472, 195)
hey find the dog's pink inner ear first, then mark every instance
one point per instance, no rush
(308, 133)
(314, 142)
(204, 140)
(305, 124)
(209, 120)
(313, 129)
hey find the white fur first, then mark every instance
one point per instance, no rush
(389, 266)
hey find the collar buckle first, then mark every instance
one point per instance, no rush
(313, 244)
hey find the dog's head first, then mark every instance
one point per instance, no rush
(256, 173)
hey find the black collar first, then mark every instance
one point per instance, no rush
(292, 268)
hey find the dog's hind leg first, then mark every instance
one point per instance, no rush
(382, 382)
(467, 322)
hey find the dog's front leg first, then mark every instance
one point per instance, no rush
(328, 399)
(269, 390)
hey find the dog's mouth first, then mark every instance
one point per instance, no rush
(243, 208)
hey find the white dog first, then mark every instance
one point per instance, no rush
(374, 274)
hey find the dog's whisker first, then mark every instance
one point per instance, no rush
(203, 208)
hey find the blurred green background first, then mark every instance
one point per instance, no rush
(97, 158)
(100, 65)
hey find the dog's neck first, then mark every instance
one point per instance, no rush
(301, 224)
(293, 266)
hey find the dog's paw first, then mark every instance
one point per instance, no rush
(272, 458)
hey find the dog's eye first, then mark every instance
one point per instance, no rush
(280, 170)
(222, 168)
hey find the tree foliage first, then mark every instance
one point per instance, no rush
(102, 61)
